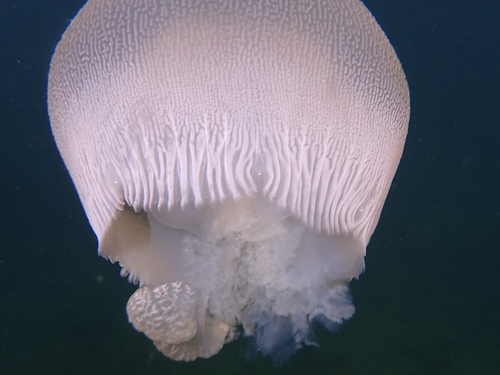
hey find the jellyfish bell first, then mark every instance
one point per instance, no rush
(233, 157)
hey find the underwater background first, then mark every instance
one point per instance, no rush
(429, 300)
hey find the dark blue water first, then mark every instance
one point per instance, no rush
(429, 301)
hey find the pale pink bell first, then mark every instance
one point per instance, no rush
(232, 155)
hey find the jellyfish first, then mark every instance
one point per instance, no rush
(233, 157)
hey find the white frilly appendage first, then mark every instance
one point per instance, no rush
(242, 266)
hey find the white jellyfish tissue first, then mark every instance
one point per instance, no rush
(233, 157)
